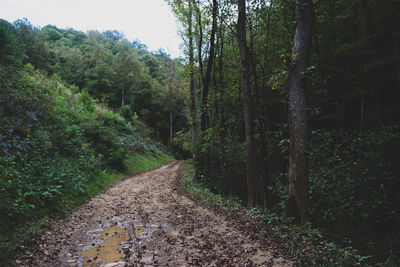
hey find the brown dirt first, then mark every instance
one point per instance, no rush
(146, 220)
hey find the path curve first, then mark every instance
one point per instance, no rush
(145, 220)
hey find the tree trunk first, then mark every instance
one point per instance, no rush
(170, 86)
(298, 125)
(266, 48)
(216, 106)
(123, 96)
(207, 78)
(200, 42)
(192, 89)
(263, 118)
(248, 116)
(221, 76)
(170, 126)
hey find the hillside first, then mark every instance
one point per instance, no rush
(58, 145)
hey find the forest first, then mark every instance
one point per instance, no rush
(288, 107)
(298, 101)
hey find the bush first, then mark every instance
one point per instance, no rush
(126, 112)
(352, 196)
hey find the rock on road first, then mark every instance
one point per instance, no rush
(145, 220)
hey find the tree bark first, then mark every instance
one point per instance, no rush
(248, 116)
(170, 85)
(221, 75)
(207, 77)
(298, 124)
(266, 48)
(192, 85)
(200, 42)
(265, 120)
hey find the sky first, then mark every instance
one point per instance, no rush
(150, 21)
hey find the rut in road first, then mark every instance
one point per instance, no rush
(145, 220)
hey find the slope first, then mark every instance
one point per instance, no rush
(58, 148)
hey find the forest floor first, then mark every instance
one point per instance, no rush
(147, 220)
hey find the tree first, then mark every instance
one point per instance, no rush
(298, 125)
(247, 103)
(191, 71)
(10, 50)
(207, 77)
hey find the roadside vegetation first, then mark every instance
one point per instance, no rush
(306, 245)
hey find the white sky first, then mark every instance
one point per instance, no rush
(150, 21)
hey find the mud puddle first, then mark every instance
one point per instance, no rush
(120, 242)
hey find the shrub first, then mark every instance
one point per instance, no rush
(353, 196)
(126, 112)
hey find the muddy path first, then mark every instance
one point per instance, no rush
(146, 220)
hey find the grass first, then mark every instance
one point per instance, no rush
(134, 164)
(138, 163)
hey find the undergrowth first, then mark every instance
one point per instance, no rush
(305, 244)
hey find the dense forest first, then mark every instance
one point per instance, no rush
(298, 101)
(288, 106)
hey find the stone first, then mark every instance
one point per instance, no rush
(116, 264)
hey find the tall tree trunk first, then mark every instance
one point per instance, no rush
(221, 75)
(207, 77)
(170, 126)
(266, 47)
(216, 106)
(192, 85)
(248, 116)
(259, 117)
(263, 120)
(200, 42)
(170, 85)
(123, 96)
(397, 54)
(298, 124)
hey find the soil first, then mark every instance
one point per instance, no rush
(146, 220)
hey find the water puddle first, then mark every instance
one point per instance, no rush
(115, 238)
(119, 242)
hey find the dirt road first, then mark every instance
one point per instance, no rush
(146, 221)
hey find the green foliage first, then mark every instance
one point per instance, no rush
(352, 98)
(10, 52)
(105, 66)
(52, 33)
(86, 101)
(308, 245)
(181, 145)
(133, 164)
(57, 149)
(138, 163)
(202, 193)
(221, 163)
(126, 112)
(352, 196)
